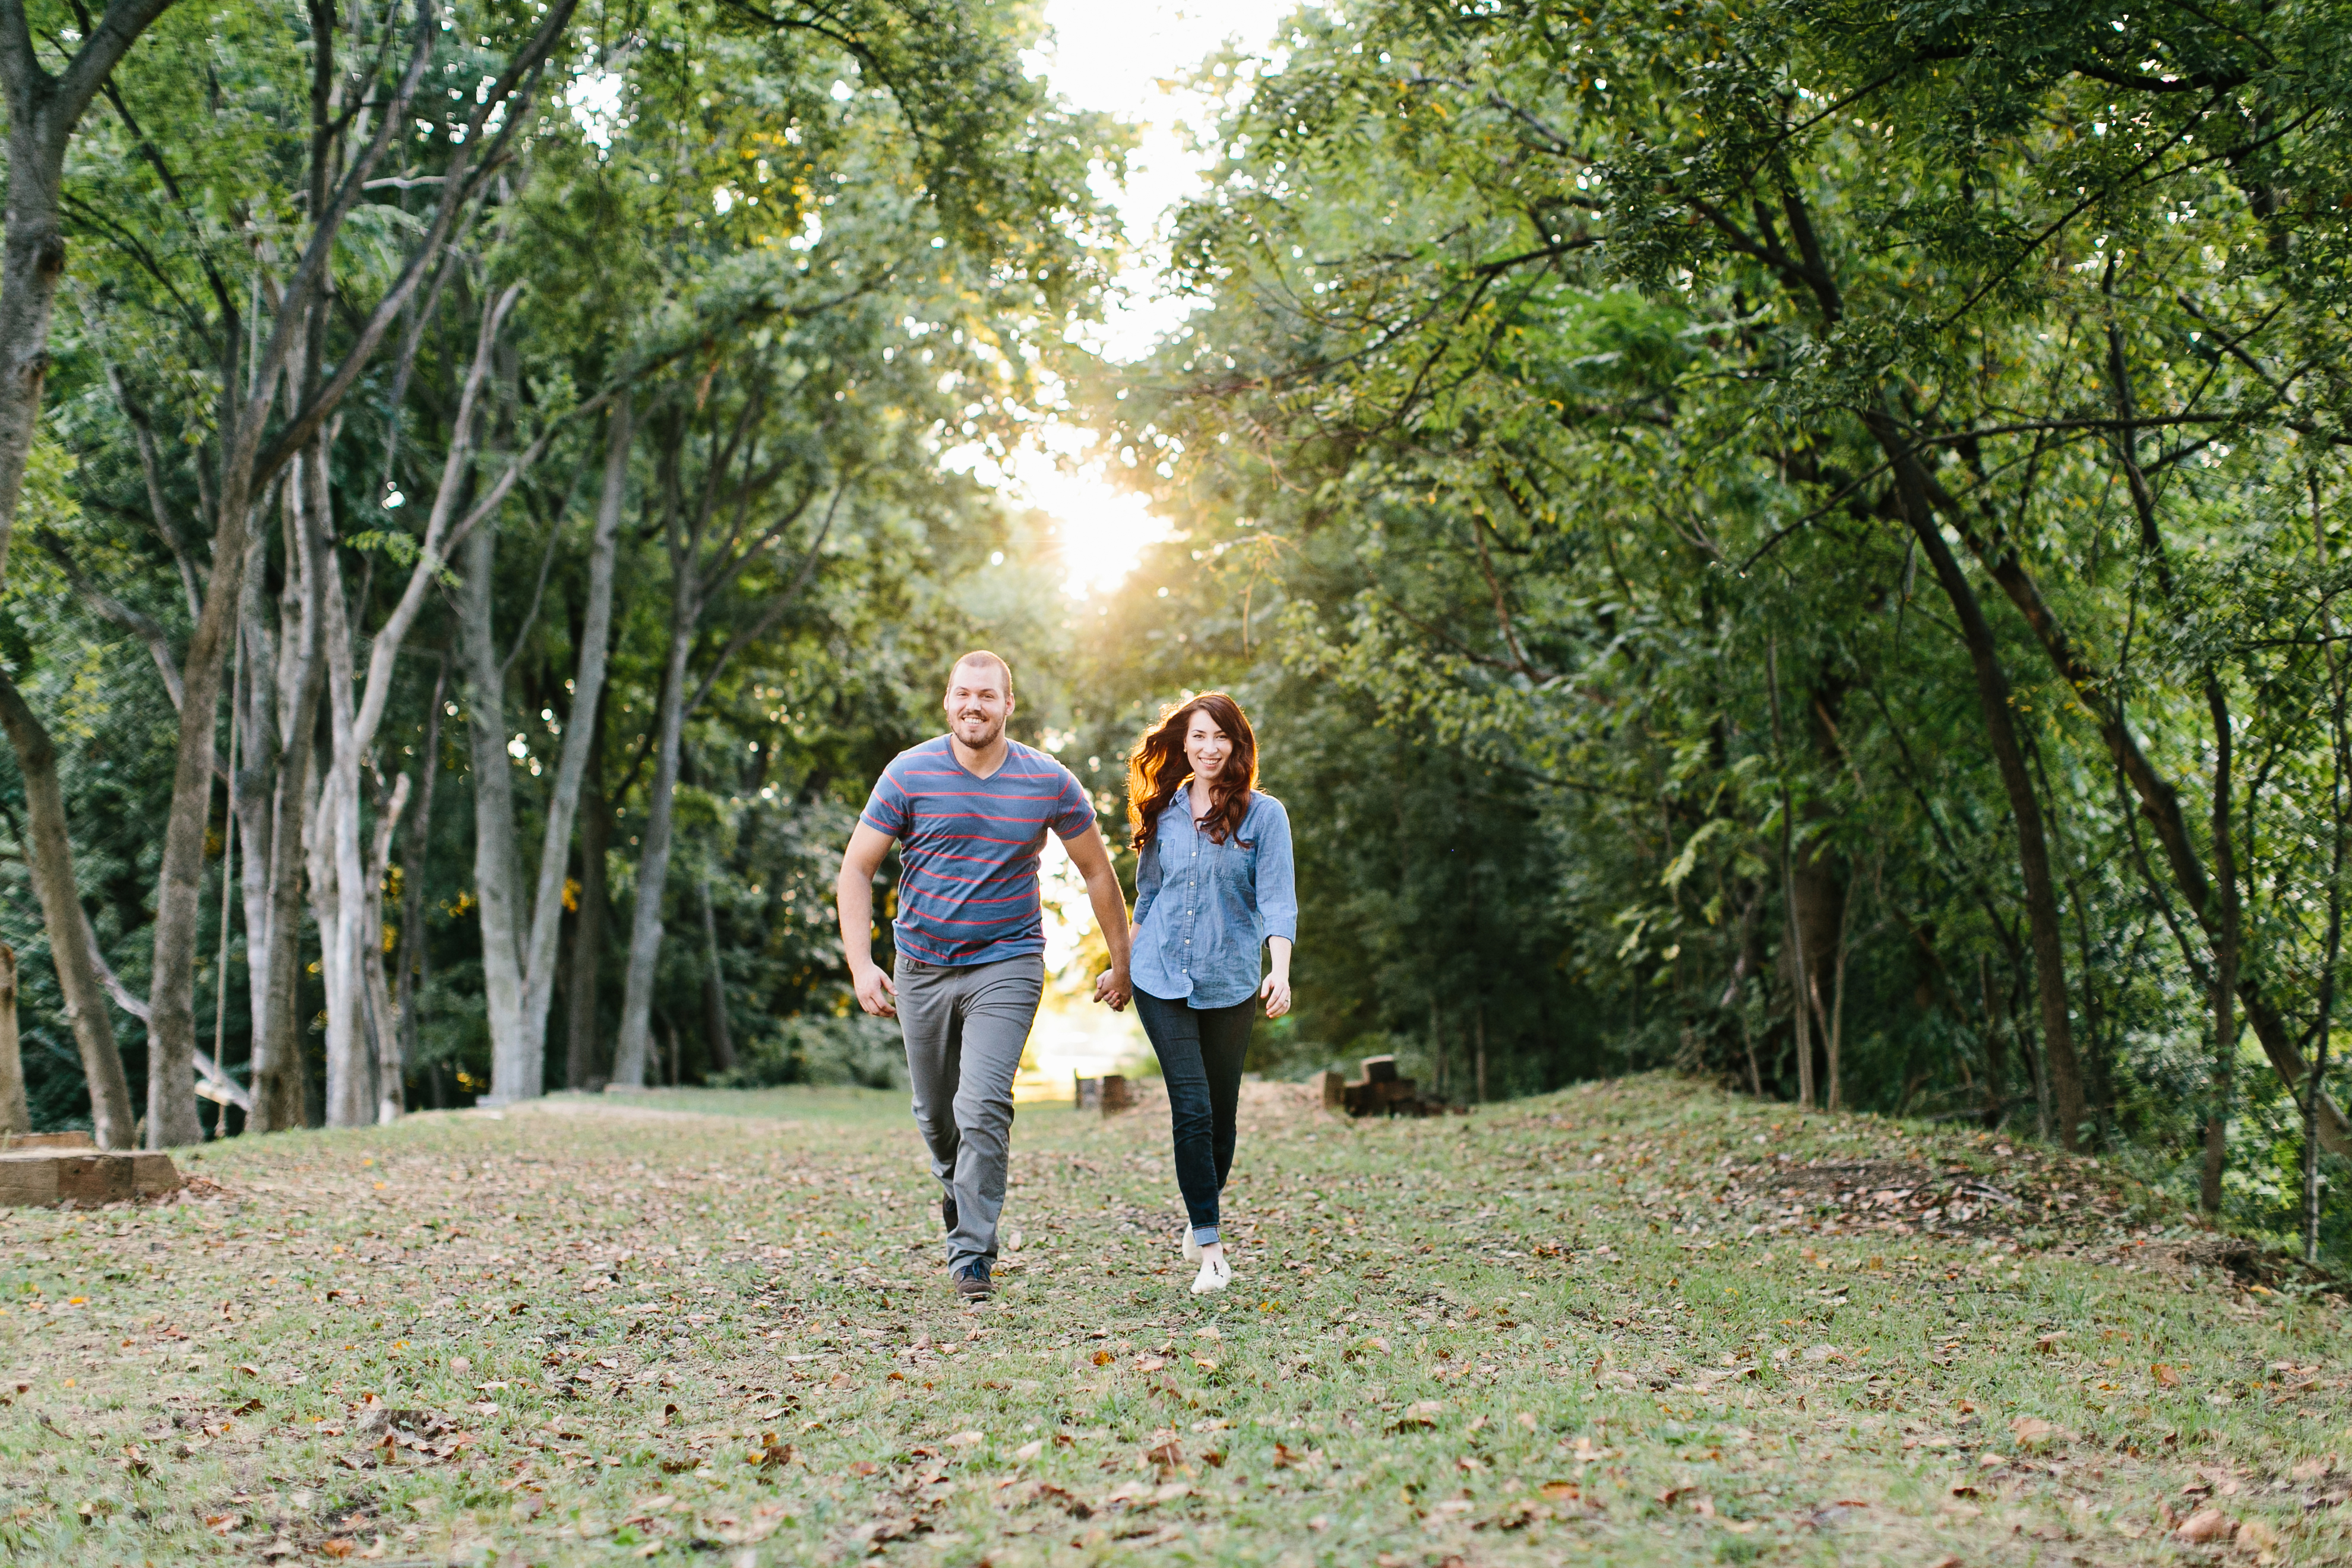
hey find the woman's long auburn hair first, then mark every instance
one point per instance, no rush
(1159, 768)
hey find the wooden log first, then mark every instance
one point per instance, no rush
(1117, 1094)
(48, 1140)
(1333, 1088)
(1087, 1092)
(84, 1177)
(1379, 1070)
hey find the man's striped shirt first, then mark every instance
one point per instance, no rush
(969, 848)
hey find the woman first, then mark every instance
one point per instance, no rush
(1212, 887)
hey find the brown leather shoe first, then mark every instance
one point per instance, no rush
(971, 1282)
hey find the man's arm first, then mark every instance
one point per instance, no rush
(853, 897)
(1092, 857)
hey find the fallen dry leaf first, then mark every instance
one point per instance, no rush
(2206, 1526)
(2165, 1376)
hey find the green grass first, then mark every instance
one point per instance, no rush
(1583, 1328)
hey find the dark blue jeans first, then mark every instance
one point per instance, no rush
(1199, 1051)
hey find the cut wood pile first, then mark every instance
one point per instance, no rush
(67, 1168)
(1107, 1094)
(1380, 1092)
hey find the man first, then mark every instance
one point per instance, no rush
(972, 810)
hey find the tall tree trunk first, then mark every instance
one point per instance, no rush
(715, 1036)
(338, 891)
(2047, 936)
(582, 1056)
(630, 1051)
(280, 1075)
(1811, 283)
(351, 898)
(252, 787)
(513, 1076)
(580, 741)
(48, 855)
(2159, 803)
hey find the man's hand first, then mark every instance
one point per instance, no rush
(1092, 857)
(876, 994)
(1276, 992)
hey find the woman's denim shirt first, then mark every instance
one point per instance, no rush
(1203, 909)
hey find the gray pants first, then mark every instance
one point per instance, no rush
(964, 1031)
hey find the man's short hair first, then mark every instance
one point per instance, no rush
(981, 656)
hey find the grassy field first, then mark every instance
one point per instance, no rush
(1640, 1323)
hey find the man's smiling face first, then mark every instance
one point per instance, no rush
(979, 701)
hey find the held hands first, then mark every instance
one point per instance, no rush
(1112, 987)
(876, 994)
(1276, 992)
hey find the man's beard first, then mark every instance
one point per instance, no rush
(990, 729)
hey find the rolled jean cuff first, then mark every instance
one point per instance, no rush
(1204, 1235)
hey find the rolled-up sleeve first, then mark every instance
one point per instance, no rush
(1146, 878)
(1277, 880)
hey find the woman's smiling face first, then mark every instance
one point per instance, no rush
(1206, 747)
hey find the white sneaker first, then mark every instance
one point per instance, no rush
(1214, 1276)
(1191, 1248)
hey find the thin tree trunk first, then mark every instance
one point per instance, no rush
(714, 986)
(411, 881)
(1801, 975)
(229, 886)
(2340, 747)
(251, 784)
(15, 1116)
(48, 855)
(338, 892)
(580, 742)
(1837, 1007)
(383, 1034)
(1996, 1045)
(2047, 936)
(356, 1038)
(496, 876)
(1814, 285)
(2225, 961)
(2317, 1091)
(280, 1075)
(630, 1052)
(582, 1057)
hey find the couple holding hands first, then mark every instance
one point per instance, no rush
(970, 811)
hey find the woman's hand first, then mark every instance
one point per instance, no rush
(1276, 992)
